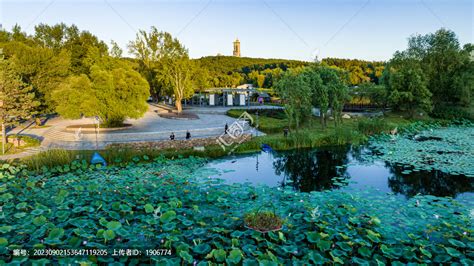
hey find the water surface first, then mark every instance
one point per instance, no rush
(338, 168)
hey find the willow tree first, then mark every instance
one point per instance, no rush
(16, 99)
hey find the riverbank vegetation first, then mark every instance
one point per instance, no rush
(352, 131)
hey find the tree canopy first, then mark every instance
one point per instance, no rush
(443, 71)
(17, 101)
(113, 94)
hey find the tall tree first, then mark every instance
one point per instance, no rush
(328, 90)
(77, 43)
(296, 93)
(407, 85)
(150, 48)
(16, 99)
(445, 66)
(38, 67)
(115, 50)
(319, 92)
(178, 75)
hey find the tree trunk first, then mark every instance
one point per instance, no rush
(4, 139)
(178, 105)
(323, 122)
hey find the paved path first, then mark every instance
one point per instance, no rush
(151, 127)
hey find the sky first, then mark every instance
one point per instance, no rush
(362, 29)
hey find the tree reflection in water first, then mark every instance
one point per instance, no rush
(434, 183)
(312, 170)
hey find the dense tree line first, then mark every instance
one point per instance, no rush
(72, 72)
(359, 71)
(230, 71)
(433, 74)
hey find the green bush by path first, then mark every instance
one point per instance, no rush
(172, 204)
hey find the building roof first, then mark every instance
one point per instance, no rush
(230, 90)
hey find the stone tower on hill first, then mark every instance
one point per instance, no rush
(237, 48)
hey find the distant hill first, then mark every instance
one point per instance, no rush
(228, 64)
(227, 71)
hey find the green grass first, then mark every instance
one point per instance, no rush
(274, 122)
(11, 149)
(53, 158)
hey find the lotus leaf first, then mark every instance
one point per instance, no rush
(201, 219)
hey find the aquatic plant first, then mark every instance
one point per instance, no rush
(429, 147)
(173, 204)
(373, 126)
(263, 221)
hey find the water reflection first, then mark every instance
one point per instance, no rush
(428, 183)
(311, 170)
(316, 170)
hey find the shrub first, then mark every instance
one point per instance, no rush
(373, 126)
(452, 112)
(341, 137)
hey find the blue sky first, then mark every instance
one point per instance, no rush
(363, 29)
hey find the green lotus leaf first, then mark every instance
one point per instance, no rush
(219, 255)
(109, 234)
(5, 229)
(443, 258)
(202, 249)
(6, 197)
(425, 252)
(323, 245)
(21, 205)
(360, 261)
(364, 251)
(149, 208)
(235, 256)
(56, 233)
(457, 243)
(313, 237)
(3, 242)
(186, 256)
(37, 212)
(114, 225)
(39, 220)
(168, 216)
(169, 226)
(249, 262)
(453, 252)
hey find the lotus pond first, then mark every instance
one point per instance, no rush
(179, 205)
(339, 168)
